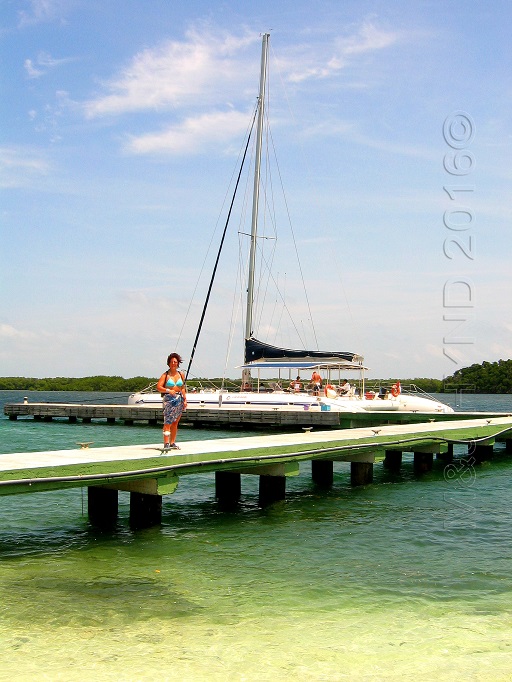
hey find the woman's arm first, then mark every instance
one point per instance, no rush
(160, 387)
(184, 390)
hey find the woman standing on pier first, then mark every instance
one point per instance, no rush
(171, 385)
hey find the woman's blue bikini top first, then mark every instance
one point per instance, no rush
(170, 383)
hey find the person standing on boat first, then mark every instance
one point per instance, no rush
(316, 382)
(171, 386)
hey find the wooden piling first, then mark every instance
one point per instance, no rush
(271, 489)
(145, 510)
(482, 453)
(423, 462)
(102, 506)
(446, 456)
(393, 460)
(322, 472)
(228, 487)
(361, 473)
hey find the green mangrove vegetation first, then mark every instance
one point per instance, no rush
(487, 377)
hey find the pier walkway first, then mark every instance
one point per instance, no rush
(148, 473)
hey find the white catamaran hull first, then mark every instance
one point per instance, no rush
(280, 400)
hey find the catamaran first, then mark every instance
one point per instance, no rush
(291, 390)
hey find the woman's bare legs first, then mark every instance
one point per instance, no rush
(174, 430)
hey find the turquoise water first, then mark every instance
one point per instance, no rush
(405, 579)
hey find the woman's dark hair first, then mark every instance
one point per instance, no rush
(174, 355)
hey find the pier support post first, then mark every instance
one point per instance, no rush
(272, 489)
(102, 506)
(423, 462)
(145, 510)
(322, 472)
(482, 453)
(508, 445)
(361, 473)
(393, 460)
(446, 456)
(228, 487)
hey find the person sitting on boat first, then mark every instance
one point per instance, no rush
(344, 388)
(296, 385)
(316, 383)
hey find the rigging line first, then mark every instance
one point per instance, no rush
(354, 326)
(235, 309)
(241, 222)
(306, 167)
(262, 289)
(248, 132)
(271, 321)
(270, 212)
(284, 303)
(294, 242)
(280, 319)
(221, 245)
(237, 302)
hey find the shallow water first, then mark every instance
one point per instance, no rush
(405, 579)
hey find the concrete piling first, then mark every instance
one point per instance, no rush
(102, 506)
(271, 489)
(393, 460)
(145, 510)
(228, 487)
(361, 473)
(322, 472)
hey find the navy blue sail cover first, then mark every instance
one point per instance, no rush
(257, 350)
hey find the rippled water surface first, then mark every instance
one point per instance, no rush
(405, 579)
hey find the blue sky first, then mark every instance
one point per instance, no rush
(122, 123)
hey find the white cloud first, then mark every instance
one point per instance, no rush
(19, 166)
(43, 63)
(369, 38)
(31, 70)
(10, 333)
(208, 69)
(175, 75)
(192, 135)
(42, 11)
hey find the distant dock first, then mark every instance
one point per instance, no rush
(148, 473)
(226, 416)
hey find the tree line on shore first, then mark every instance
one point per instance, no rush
(487, 377)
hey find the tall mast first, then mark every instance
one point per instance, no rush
(256, 190)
